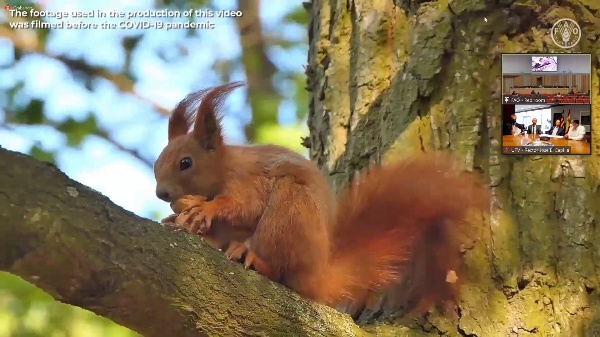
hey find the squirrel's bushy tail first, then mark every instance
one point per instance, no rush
(399, 226)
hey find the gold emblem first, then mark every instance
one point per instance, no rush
(565, 33)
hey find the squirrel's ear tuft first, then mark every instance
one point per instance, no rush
(182, 120)
(207, 127)
(198, 113)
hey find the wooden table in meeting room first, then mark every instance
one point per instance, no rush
(577, 146)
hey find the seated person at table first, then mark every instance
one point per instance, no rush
(576, 131)
(534, 129)
(556, 130)
(511, 127)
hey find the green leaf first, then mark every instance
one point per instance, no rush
(129, 43)
(23, 3)
(39, 153)
(299, 15)
(184, 4)
(33, 114)
(76, 131)
(14, 91)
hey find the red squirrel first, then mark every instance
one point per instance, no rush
(273, 209)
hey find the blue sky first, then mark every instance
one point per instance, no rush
(133, 123)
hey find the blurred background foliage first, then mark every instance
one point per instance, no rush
(29, 312)
(267, 50)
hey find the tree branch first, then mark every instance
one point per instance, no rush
(78, 246)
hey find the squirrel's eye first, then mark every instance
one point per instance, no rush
(185, 163)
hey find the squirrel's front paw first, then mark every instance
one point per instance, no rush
(170, 219)
(196, 218)
(169, 222)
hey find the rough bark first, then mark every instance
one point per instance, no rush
(79, 247)
(388, 80)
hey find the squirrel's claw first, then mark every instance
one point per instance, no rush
(236, 251)
(201, 224)
(249, 260)
(170, 219)
(183, 219)
(195, 220)
(195, 213)
(170, 222)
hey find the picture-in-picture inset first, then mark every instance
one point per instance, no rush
(546, 79)
(562, 129)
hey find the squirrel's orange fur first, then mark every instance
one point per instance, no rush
(396, 225)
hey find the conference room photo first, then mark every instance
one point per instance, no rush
(546, 104)
(561, 129)
(546, 79)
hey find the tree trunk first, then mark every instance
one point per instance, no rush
(389, 80)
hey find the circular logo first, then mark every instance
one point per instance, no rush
(565, 33)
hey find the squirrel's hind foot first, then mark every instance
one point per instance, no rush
(239, 250)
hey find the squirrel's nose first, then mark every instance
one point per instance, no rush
(163, 195)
